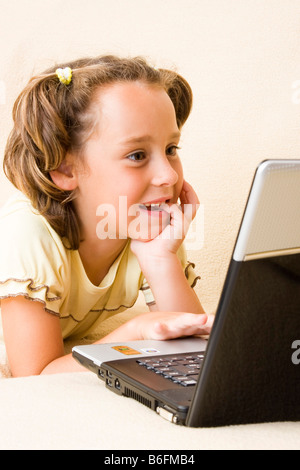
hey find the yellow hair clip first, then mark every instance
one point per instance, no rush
(64, 75)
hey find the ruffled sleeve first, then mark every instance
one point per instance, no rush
(189, 271)
(32, 257)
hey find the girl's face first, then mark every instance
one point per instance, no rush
(130, 162)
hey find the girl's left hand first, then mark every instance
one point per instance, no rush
(170, 325)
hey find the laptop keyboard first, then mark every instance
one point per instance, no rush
(180, 368)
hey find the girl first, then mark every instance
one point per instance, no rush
(93, 153)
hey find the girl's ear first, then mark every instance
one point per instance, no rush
(65, 175)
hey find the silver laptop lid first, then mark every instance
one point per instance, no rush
(274, 219)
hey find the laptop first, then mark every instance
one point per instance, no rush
(249, 369)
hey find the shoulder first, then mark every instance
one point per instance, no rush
(34, 262)
(21, 224)
(27, 239)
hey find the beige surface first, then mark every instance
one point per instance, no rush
(76, 411)
(242, 59)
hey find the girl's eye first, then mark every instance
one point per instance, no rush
(136, 157)
(172, 151)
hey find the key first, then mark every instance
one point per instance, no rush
(186, 383)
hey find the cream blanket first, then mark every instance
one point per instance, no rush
(76, 411)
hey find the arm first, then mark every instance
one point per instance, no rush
(32, 336)
(34, 341)
(171, 289)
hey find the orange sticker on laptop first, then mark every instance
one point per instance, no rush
(126, 350)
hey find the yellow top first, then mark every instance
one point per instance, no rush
(35, 264)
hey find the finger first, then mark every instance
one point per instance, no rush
(178, 223)
(184, 325)
(188, 195)
(191, 321)
(189, 201)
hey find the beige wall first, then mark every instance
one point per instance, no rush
(241, 58)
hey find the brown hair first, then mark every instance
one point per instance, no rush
(51, 118)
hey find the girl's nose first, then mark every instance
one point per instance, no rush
(164, 174)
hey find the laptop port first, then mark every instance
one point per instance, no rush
(166, 414)
(117, 384)
(101, 373)
(109, 382)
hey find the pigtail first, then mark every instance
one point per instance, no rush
(38, 144)
(180, 94)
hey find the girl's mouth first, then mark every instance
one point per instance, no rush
(154, 206)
